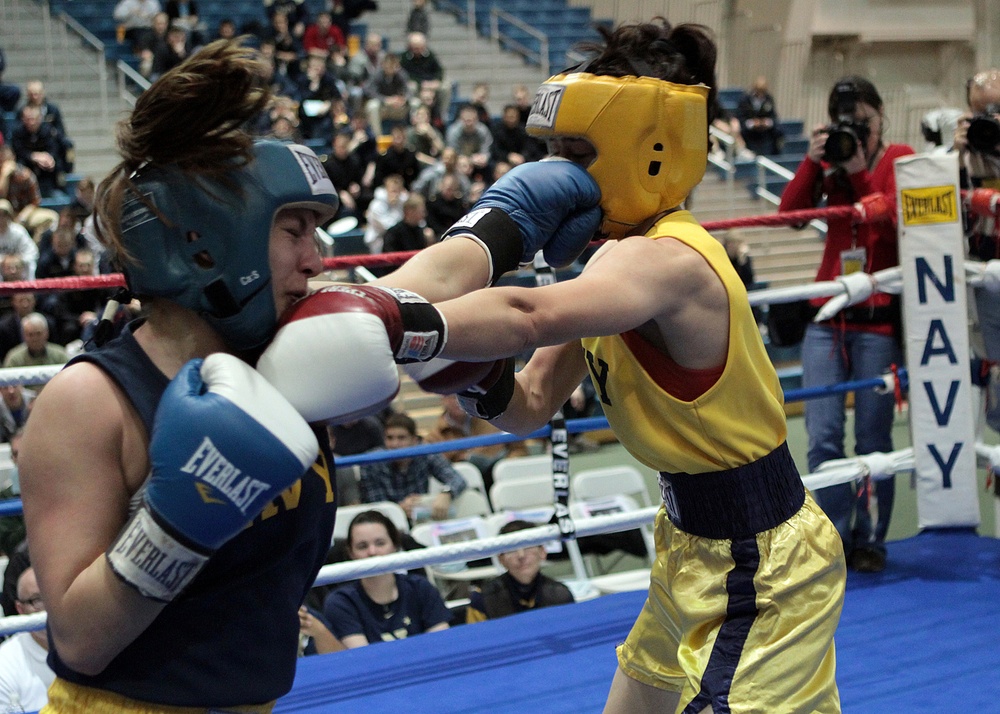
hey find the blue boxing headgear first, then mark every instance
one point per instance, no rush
(209, 252)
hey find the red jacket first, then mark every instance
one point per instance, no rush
(878, 239)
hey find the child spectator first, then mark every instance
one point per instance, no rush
(521, 588)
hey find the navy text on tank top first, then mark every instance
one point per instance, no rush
(232, 637)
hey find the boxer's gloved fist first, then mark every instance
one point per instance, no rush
(225, 443)
(489, 398)
(549, 205)
(335, 353)
(445, 376)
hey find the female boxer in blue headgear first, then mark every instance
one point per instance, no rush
(178, 508)
(177, 505)
(748, 584)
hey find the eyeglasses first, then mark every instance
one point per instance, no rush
(35, 602)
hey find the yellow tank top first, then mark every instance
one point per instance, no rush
(737, 420)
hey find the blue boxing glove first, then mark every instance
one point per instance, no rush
(225, 443)
(549, 205)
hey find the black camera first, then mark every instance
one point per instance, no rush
(843, 136)
(984, 131)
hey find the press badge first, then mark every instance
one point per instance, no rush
(852, 261)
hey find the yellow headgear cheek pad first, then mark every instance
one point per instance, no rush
(651, 138)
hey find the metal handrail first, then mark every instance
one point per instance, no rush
(97, 46)
(126, 72)
(766, 166)
(543, 40)
(728, 163)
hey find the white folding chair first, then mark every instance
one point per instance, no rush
(522, 493)
(518, 467)
(473, 501)
(610, 481)
(346, 514)
(456, 530)
(635, 579)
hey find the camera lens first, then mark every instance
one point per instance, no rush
(841, 145)
(984, 134)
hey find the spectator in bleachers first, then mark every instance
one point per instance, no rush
(385, 210)
(175, 49)
(36, 350)
(12, 268)
(387, 95)
(82, 204)
(412, 232)
(287, 47)
(521, 588)
(294, 10)
(338, 16)
(480, 101)
(34, 92)
(323, 36)
(363, 141)
(152, 43)
(454, 423)
(471, 138)
(421, 136)
(398, 159)
(421, 64)
(25, 675)
(75, 312)
(15, 405)
(281, 85)
(286, 128)
(57, 262)
(67, 219)
(10, 95)
(226, 29)
(136, 16)
(387, 607)
(19, 186)
(522, 100)
(427, 97)
(345, 171)
(418, 20)
(511, 142)
(728, 124)
(365, 63)
(21, 305)
(447, 206)
(758, 118)
(428, 183)
(407, 481)
(319, 99)
(15, 240)
(184, 13)
(38, 147)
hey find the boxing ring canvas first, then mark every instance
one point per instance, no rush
(920, 637)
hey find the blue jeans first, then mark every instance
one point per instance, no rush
(830, 356)
(988, 310)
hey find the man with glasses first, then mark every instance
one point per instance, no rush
(24, 674)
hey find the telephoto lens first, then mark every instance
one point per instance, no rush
(984, 131)
(841, 144)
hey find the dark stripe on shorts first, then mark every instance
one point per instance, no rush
(741, 612)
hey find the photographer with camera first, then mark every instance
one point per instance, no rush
(977, 141)
(848, 161)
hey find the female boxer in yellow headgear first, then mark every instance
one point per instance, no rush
(650, 136)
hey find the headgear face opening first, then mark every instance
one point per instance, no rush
(212, 257)
(651, 138)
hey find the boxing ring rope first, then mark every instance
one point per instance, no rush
(843, 292)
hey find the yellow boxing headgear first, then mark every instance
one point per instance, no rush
(651, 138)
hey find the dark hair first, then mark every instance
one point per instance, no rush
(401, 421)
(193, 118)
(866, 93)
(516, 525)
(375, 517)
(684, 54)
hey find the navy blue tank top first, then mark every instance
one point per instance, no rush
(232, 637)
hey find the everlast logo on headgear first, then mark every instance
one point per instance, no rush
(313, 170)
(936, 204)
(546, 106)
